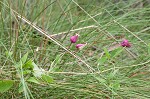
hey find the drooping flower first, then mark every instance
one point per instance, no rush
(125, 43)
(80, 46)
(74, 38)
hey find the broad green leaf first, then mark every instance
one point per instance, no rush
(47, 78)
(33, 79)
(27, 72)
(22, 61)
(5, 85)
(107, 53)
(28, 64)
(24, 58)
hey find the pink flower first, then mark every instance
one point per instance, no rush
(74, 38)
(80, 46)
(125, 43)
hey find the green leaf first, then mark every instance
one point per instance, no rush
(113, 74)
(20, 87)
(23, 61)
(107, 53)
(28, 64)
(101, 80)
(8, 53)
(58, 59)
(33, 79)
(47, 78)
(55, 62)
(102, 60)
(27, 72)
(116, 52)
(24, 58)
(115, 85)
(5, 85)
(37, 71)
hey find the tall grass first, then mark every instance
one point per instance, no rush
(102, 24)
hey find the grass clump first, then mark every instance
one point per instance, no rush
(38, 60)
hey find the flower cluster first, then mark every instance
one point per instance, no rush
(80, 46)
(73, 39)
(125, 43)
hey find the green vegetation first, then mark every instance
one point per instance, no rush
(47, 66)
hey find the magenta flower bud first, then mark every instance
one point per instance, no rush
(125, 43)
(74, 38)
(80, 46)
